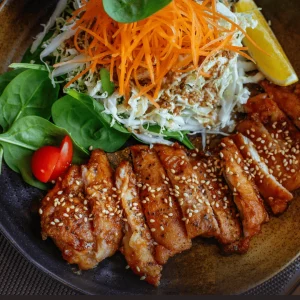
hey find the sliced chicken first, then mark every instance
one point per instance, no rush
(160, 206)
(265, 145)
(185, 181)
(246, 196)
(65, 217)
(284, 133)
(102, 199)
(275, 195)
(219, 196)
(287, 100)
(138, 246)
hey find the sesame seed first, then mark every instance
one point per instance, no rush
(138, 269)
(52, 223)
(153, 229)
(127, 267)
(40, 211)
(60, 224)
(59, 193)
(66, 215)
(143, 278)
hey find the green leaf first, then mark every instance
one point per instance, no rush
(29, 66)
(29, 57)
(128, 11)
(81, 118)
(26, 136)
(107, 85)
(30, 93)
(99, 108)
(7, 77)
(180, 136)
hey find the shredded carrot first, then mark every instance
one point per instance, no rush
(179, 38)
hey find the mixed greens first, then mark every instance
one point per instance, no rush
(32, 115)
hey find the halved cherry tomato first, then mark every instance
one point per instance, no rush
(65, 158)
(49, 162)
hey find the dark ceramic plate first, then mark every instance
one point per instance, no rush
(202, 270)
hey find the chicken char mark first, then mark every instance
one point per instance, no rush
(138, 247)
(161, 209)
(196, 209)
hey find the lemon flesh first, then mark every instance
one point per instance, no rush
(274, 64)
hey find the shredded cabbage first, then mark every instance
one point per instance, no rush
(201, 105)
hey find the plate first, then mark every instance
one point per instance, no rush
(201, 270)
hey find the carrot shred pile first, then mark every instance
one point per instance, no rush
(180, 38)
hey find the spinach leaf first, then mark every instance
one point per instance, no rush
(127, 11)
(81, 118)
(28, 66)
(35, 57)
(180, 136)
(7, 77)
(26, 136)
(30, 93)
(107, 85)
(99, 107)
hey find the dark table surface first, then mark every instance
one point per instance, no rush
(19, 277)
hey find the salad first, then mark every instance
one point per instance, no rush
(101, 73)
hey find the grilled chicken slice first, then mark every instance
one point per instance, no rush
(284, 133)
(265, 145)
(100, 194)
(246, 196)
(65, 218)
(275, 195)
(197, 212)
(219, 196)
(161, 209)
(137, 245)
(286, 99)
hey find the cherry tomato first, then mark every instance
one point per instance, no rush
(65, 158)
(44, 161)
(49, 162)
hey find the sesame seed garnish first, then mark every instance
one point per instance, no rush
(143, 278)
(40, 211)
(153, 229)
(127, 267)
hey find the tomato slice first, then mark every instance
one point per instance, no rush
(44, 161)
(48, 163)
(65, 158)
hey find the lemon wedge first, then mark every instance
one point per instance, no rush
(275, 66)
